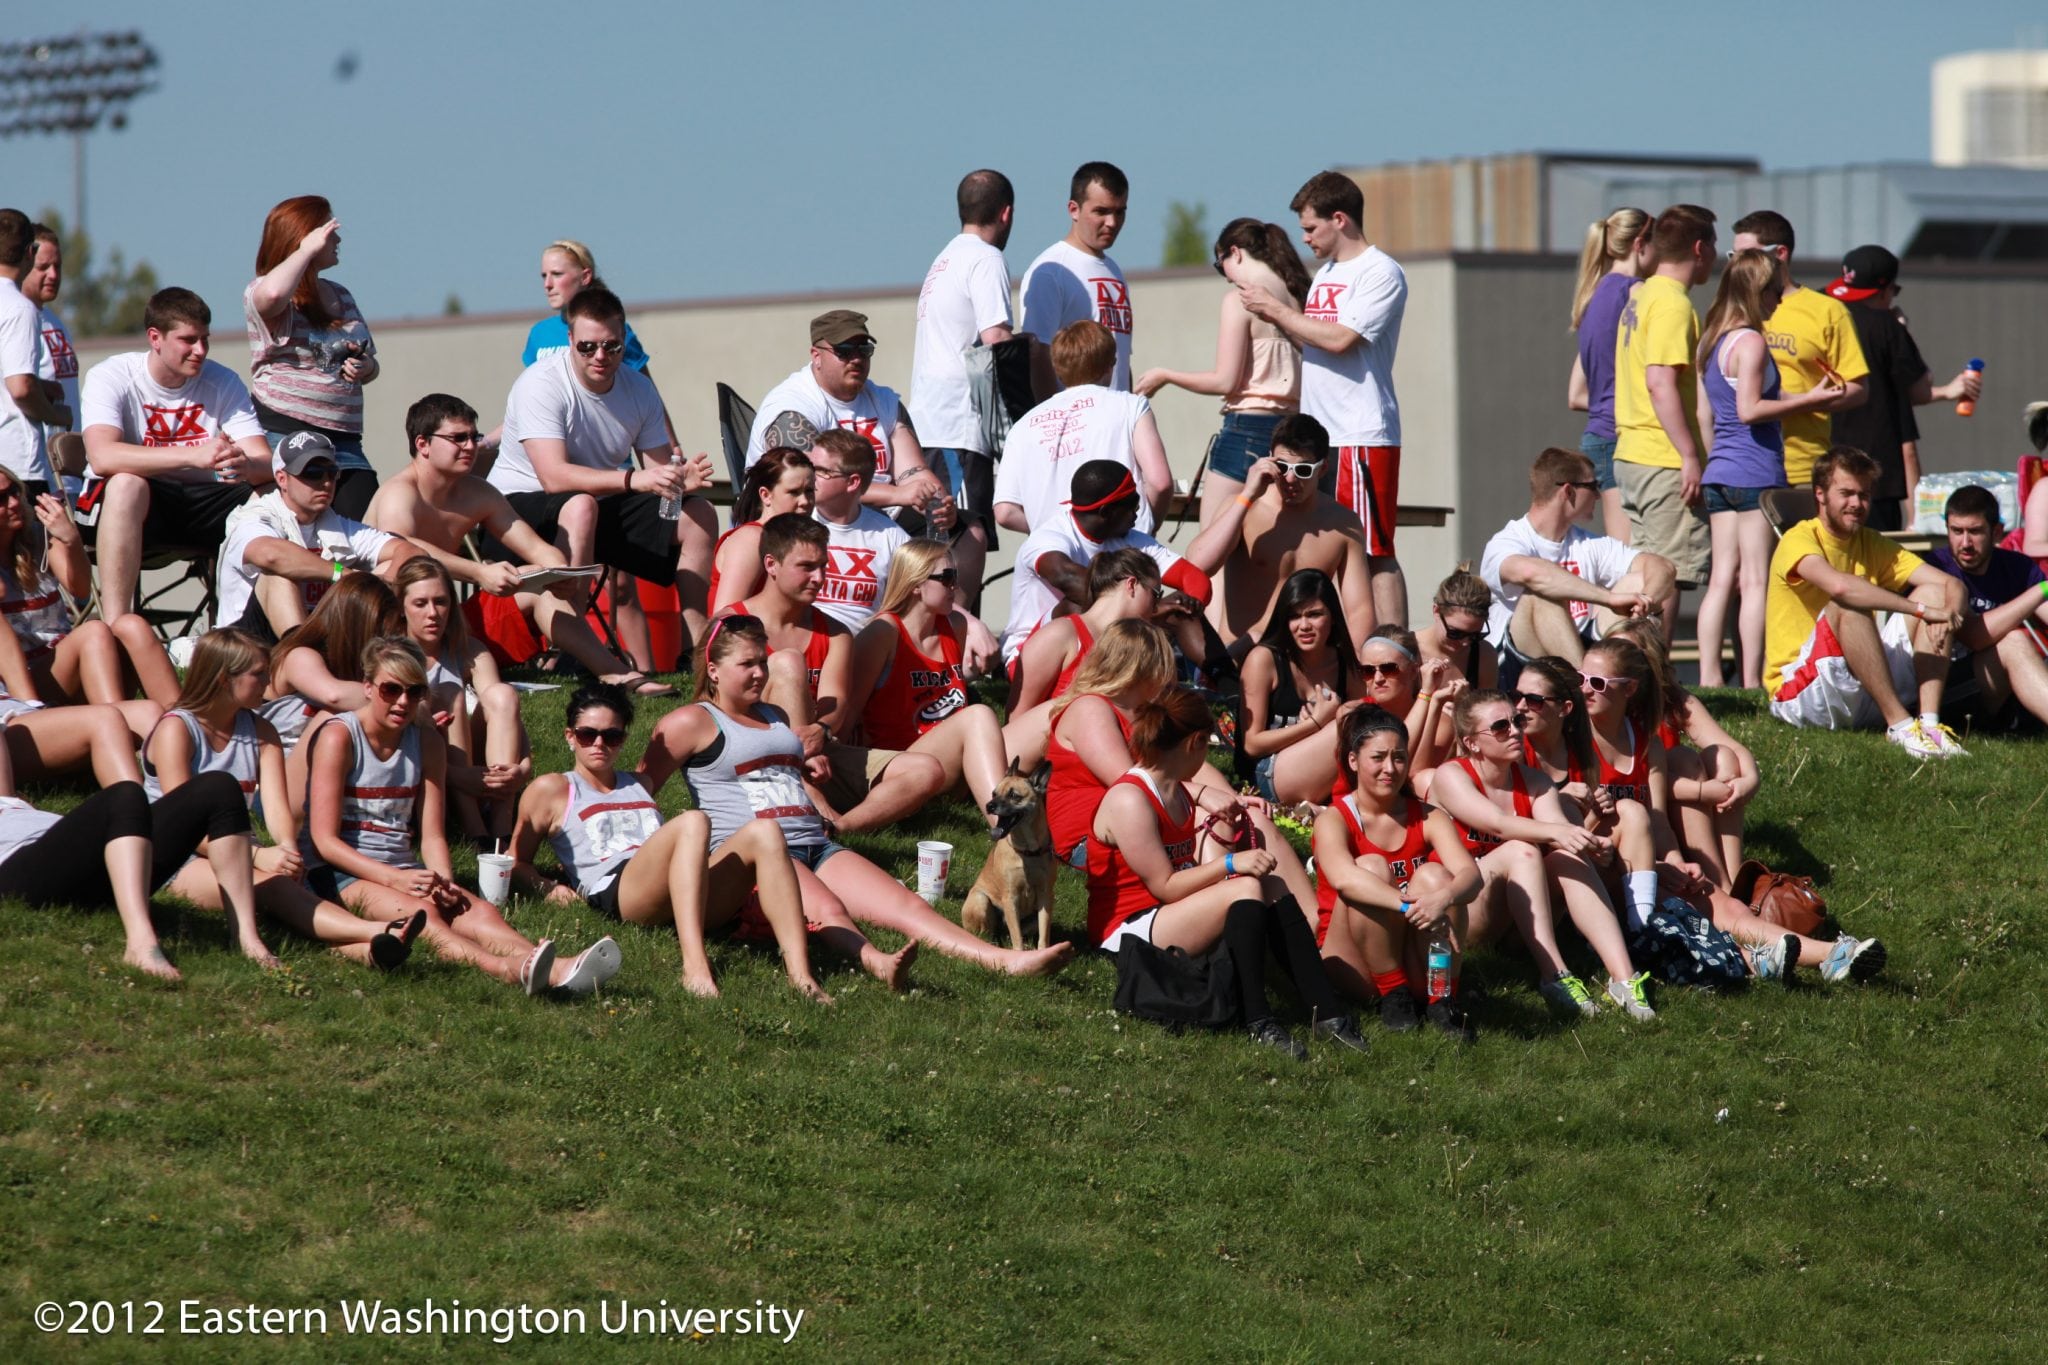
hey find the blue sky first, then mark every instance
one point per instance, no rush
(713, 150)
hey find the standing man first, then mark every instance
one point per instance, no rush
(1348, 335)
(1657, 454)
(59, 367)
(25, 408)
(1884, 428)
(1074, 278)
(965, 302)
(573, 423)
(173, 444)
(1811, 337)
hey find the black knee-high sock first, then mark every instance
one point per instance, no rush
(1294, 943)
(1244, 935)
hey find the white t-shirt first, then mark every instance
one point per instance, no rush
(331, 536)
(1352, 392)
(1599, 560)
(21, 352)
(599, 430)
(966, 292)
(1057, 437)
(857, 565)
(1065, 284)
(120, 393)
(873, 413)
(21, 825)
(1033, 600)
(59, 365)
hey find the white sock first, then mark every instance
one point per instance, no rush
(1901, 727)
(1642, 897)
(1929, 720)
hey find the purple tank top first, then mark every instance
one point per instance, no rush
(1597, 328)
(1745, 455)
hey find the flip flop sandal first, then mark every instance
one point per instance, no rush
(390, 949)
(533, 973)
(593, 967)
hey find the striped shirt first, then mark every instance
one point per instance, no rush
(295, 372)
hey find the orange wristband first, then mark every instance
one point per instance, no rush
(1243, 501)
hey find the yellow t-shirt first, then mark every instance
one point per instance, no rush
(1793, 604)
(1810, 327)
(1658, 327)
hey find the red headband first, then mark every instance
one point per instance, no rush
(1124, 489)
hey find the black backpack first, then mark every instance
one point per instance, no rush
(1169, 987)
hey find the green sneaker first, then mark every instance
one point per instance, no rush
(1570, 995)
(1633, 996)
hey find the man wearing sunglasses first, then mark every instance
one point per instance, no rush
(1074, 278)
(833, 390)
(1556, 586)
(286, 548)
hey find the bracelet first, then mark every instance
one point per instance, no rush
(1229, 864)
(338, 570)
(1406, 906)
(1425, 696)
(1920, 610)
(1243, 501)
(628, 472)
(2044, 587)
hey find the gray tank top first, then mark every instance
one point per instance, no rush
(377, 800)
(755, 774)
(601, 831)
(240, 759)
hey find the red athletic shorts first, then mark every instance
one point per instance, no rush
(1369, 483)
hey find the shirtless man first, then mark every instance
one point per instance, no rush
(435, 502)
(1287, 524)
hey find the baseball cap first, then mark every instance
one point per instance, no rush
(300, 449)
(841, 324)
(1865, 270)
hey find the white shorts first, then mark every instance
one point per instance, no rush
(1819, 692)
(1138, 927)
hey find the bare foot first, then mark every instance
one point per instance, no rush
(892, 971)
(702, 985)
(1043, 962)
(258, 952)
(811, 990)
(152, 961)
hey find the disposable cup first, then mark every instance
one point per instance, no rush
(934, 863)
(494, 877)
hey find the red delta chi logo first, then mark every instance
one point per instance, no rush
(173, 426)
(866, 428)
(850, 576)
(1112, 303)
(63, 360)
(1322, 301)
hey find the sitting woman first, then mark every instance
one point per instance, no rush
(1396, 881)
(1456, 633)
(1400, 682)
(741, 760)
(1513, 822)
(905, 683)
(610, 838)
(374, 775)
(48, 658)
(1300, 679)
(214, 728)
(780, 481)
(315, 668)
(1713, 776)
(1123, 585)
(482, 708)
(1147, 881)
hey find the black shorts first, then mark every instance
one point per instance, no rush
(631, 532)
(605, 900)
(182, 516)
(970, 477)
(353, 489)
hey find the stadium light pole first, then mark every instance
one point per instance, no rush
(73, 85)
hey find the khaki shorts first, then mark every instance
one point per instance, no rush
(1660, 522)
(854, 773)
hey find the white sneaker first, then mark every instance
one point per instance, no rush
(1632, 997)
(1911, 736)
(1944, 740)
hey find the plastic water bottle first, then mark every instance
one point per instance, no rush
(1966, 406)
(1438, 973)
(671, 508)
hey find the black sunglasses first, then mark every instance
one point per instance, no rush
(587, 735)
(390, 692)
(1590, 485)
(460, 438)
(949, 577)
(593, 347)
(1535, 699)
(1502, 728)
(318, 473)
(1387, 670)
(1453, 634)
(851, 350)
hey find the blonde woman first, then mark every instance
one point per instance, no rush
(1610, 263)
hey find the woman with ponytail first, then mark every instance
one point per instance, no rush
(1610, 263)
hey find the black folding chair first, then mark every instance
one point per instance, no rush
(735, 426)
(1785, 508)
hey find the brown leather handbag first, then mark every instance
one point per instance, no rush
(1785, 900)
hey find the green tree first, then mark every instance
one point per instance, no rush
(1187, 235)
(451, 307)
(100, 302)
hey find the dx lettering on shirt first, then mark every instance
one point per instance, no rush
(178, 426)
(850, 575)
(1322, 301)
(1112, 303)
(63, 360)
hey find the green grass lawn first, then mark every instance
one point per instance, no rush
(997, 1169)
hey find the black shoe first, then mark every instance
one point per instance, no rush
(1450, 1021)
(1341, 1029)
(1397, 1011)
(1274, 1034)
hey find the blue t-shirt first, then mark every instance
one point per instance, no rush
(1597, 326)
(2009, 574)
(551, 334)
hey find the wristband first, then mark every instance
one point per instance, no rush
(1920, 610)
(1243, 501)
(628, 472)
(1425, 696)
(1406, 906)
(1229, 864)
(338, 570)
(2044, 587)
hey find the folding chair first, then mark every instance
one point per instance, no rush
(735, 426)
(1787, 507)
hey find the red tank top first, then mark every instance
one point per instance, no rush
(1115, 892)
(1478, 842)
(714, 557)
(1073, 793)
(1668, 733)
(1535, 760)
(919, 692)
(1086, 642)
(1401, 862)
(1633, 785)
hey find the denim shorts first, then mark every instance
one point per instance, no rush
(1262, 777)
(1725, 497)
(1600, 450)
(813, 856)
(1246, 437)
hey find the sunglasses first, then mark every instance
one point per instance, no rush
(1158, 590)
(611, 736)
(1590, 485)
(389, 692)
(1388, 670)
(317, 473)
(612, 347)
(1595, 683)
(1502, 728)
(850, 350)
(1535, 700)
(460, 438)
(949, 577)
(1456, 636)
(1299, 469)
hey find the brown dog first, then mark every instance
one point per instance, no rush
(1018, 874)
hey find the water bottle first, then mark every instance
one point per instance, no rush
(1438, 973)
(671, 508)
(1966, 406)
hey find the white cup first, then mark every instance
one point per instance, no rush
(494, 877)
(934, 862)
